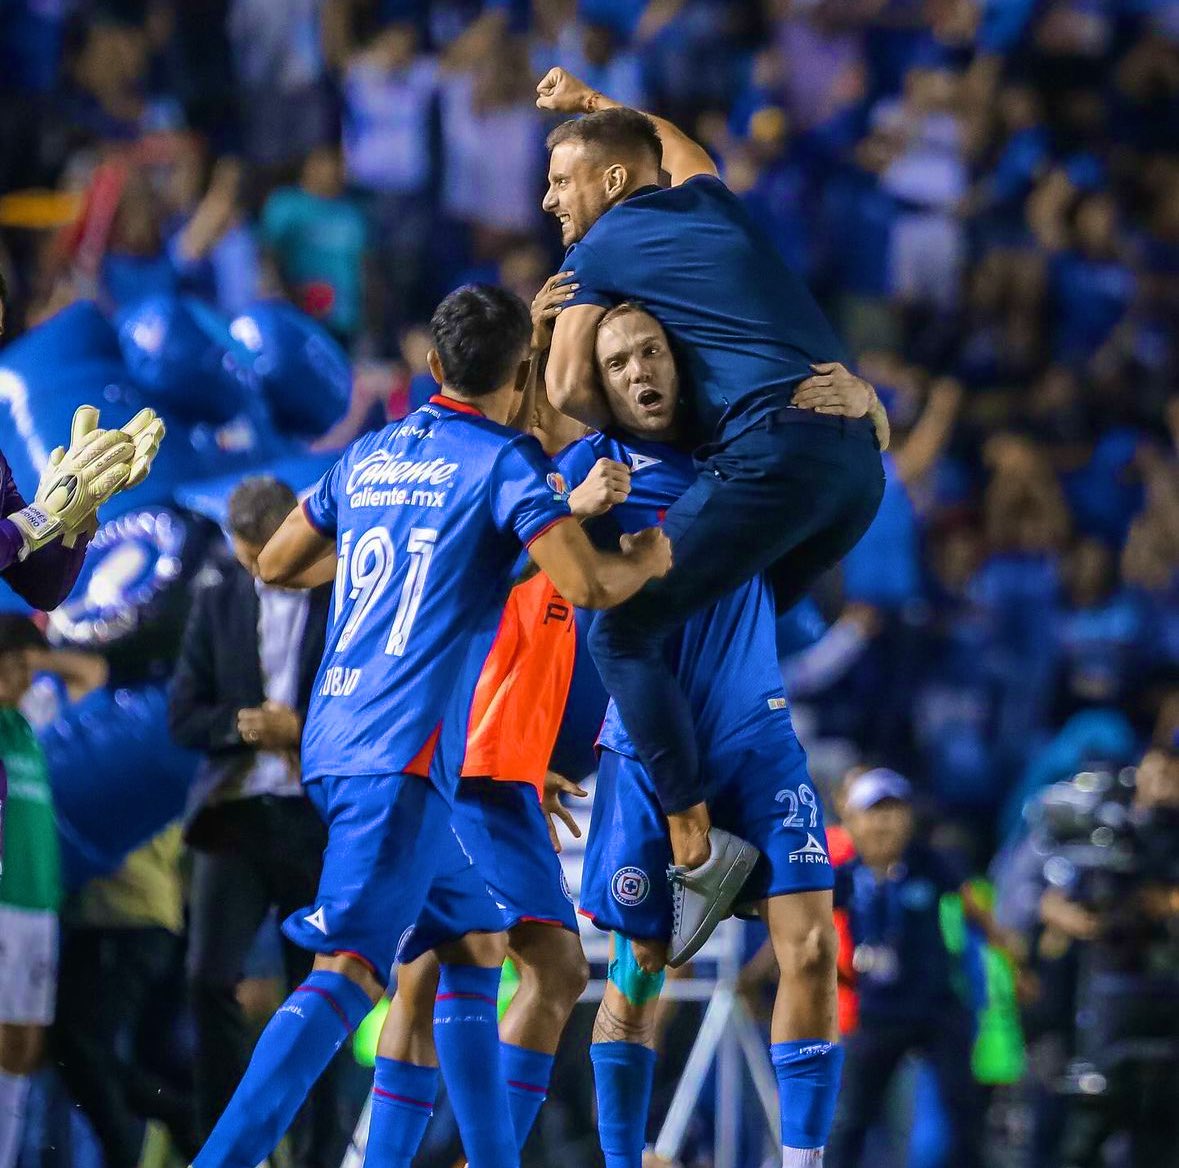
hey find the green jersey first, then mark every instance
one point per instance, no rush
(30, 877)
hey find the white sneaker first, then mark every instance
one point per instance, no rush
(702, 897)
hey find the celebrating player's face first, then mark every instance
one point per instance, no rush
(638, 373)
(577, 193)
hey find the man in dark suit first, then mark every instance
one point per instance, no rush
(239, 695)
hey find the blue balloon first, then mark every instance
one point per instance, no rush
(179, 352)
(303, 373)
(74, 359)
(71, 359)
(118, 779)
(210, 497)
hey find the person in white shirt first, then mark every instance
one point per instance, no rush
(238, 695)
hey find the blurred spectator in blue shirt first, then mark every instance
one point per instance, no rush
(913, 992)
(493, 161)
(775, 186)
(1023, 153)
(1105, 493)
(1001, 342)
(595, 50)
(816, 61)
(1091, 284)
(1027, 526)
(955, 709)
(316, 237)
(857, 218)
(137, 265)
(281, 73)
(1150, 559)
(1102, 631)
(389, 93)
(390, 114)
(209, 243)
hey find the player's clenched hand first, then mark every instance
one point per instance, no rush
(555, 786)
(606, 485)
(563, 93)
(270, 726)
(835, 389)
(653, 547)
(546, 304)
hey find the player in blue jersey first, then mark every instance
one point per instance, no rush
(778, 488)
(726, 661)
(427, 517)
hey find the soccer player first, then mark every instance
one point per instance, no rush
(777, 487)
(427, 517)
(500, 815)
(501, 822)
(726, 661)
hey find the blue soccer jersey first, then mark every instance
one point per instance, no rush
(429, 515)
(726, 657)
(745, 328)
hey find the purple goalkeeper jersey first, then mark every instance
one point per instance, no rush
(43, 580)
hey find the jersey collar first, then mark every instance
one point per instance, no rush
(452, 403)
(649, 189)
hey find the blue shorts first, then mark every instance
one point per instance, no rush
(503, 827)
(765, 799)
(392, 860)
(459, 902)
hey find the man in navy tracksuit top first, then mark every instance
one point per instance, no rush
(782, 486)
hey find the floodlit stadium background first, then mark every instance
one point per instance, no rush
(984, 194)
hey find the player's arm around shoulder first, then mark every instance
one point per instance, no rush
(571, 378)
(589, 578)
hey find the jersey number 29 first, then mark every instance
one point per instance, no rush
(363, 573)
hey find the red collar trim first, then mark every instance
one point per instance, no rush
(440, 399)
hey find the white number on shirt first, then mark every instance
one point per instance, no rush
(421, 549)
(805, 796)
(363, 573)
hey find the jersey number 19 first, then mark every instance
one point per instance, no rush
(363, 572)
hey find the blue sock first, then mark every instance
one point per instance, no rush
(527, 1073)
(808, 1085)
(623, 1074)
(296, 1046)
(466, 1035)
(403, 1101)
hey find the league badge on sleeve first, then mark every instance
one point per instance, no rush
(557, 484)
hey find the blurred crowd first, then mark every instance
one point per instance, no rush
(984, 194)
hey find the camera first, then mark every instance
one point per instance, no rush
(1106, 852)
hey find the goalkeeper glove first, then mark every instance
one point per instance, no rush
(147, 432)
(76, 481)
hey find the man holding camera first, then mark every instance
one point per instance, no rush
(1112, 896)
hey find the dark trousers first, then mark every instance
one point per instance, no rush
(114, 991)
(873, 1054)
(256, 854)
(790, 497)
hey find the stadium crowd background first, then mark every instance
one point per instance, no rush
(983, 193)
